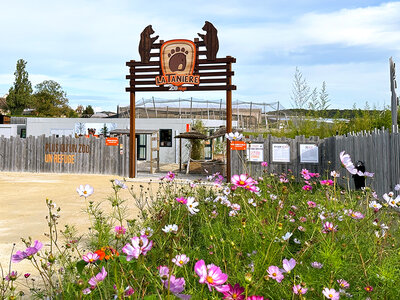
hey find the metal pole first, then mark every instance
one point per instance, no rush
(228, 121)
(393, 87)
(154, 105)
(132, 138)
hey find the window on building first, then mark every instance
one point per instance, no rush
(165, 137)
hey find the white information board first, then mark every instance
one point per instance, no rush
(255, 152)
(308, 153)
(280, 153)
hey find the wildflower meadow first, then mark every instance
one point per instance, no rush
(271, 237)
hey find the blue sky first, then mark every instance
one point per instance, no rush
(84, 44)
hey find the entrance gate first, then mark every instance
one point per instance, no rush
(180, 65)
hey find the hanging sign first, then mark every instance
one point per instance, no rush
(280, 152)
(112, 141)
(255, 152)
(178, 58)
(238, 145)
(308, 153)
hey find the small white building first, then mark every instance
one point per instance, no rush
(167, 128)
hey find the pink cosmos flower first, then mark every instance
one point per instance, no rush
(242, 180)
(163, 272)
(255, 298)
(20, 255)
(98, 278)
(180, 260)
(129, 291)
(355, 215)
(311, 204)
(316, 175)
(235, 292)
(288, 265)
(90, 257)
(120, 230)
(139, 246)
(176, 285)
(264, 164)
(307, 187)
(170, 176)
(299, 290)
(304, 172)
(12, 276)
(275, 273)
(343, 283)
(212, 276)
(326, 182)
(182, 200)
(328, 227)
(316, 265)
(331, 294)
(369, 288)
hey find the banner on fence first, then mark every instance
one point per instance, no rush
(238, 145)
(112, 141)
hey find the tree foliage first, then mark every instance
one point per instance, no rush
(50, 100)
(88, 110)
(19, 95)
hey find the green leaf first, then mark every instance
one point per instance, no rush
(150, 297)
(80, 265)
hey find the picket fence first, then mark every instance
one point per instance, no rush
(64, 154)
(379, 150)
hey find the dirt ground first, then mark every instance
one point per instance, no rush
(23, 206)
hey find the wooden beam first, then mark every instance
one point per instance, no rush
(132, 138)
(188, 88)
(228, 122)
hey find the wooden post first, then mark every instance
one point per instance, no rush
(180, 155)
(132, 138)
(228, 121)
(393, 87)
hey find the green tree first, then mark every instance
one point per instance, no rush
(19, 95)
(323, 99)
(88, 110)
(50, 100)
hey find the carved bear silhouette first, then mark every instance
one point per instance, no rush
(177, 59)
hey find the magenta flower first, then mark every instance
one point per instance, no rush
(90, 257)
(305, 174)
(255, 298)
(242, 180)
(28, 253)
(311, 204)
(120, 230)
(326, 182)
(212, 276)
(140, 245)
(288, 265)
(170, 176)
(129, 291)
(98, 278)
(26, 275)
(307, 187)
(176, 285)
(182, 200)
(328, 227)
(343, 283)
(331, 294)
(235, 292)
(11, 276)
(264, 164)
(298, 290)
(275, 273)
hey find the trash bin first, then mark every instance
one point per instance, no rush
(359, 181)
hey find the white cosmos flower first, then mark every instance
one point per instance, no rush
(287, 236)
(85, 191)
(335, 174)
(227, 191)
(147, 231)
(375, 205)
(234, 136)
(191, 205)
(170, 228)
(233, 213)
(180, 260)
(397, 187)
(120, 184)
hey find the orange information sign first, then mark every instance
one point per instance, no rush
(112, 141)
(238, 145)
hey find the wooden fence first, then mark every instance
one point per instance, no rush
(379, 150)
(65, 154)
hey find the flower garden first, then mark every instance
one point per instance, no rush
(270, 237)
